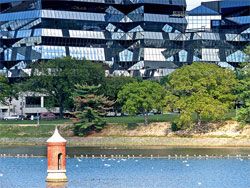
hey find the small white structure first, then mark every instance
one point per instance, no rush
(28, 103)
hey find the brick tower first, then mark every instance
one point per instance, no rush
(56, 155)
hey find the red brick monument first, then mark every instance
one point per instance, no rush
(56, 155)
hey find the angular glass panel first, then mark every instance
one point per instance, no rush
(23, 33)
(154, 54)
(167, 28)
(183, 56)
(210, 54)
(126, 55)
(20, 15)
(237, 56)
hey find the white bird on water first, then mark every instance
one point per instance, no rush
(107, 165)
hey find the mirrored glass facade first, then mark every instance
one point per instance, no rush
(147, 38)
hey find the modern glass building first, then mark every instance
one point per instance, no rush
(219, 32)
(147, 38)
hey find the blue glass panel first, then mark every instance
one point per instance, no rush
(9, 1)
(216, 23)
(20, 15)
(240, 19)
(202, 10)
(237, 56)
(234, 3)
(183, 56)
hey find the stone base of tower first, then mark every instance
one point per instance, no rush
(56, 185)
(56, 176)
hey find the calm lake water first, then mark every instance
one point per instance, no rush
(130, 173)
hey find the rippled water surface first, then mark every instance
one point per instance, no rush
(130, 173)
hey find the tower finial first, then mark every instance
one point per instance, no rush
(56, 137)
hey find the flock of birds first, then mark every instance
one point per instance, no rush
(124, 157)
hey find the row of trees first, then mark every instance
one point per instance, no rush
(205, 91)
(198, 92)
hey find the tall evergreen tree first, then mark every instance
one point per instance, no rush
(89, 109)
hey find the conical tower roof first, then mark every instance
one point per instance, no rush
(56, 137)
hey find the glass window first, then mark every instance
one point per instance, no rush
(237, 56)
(23, 33)
(32, 102)
(126, 55)
(154, 54)
(183, 56)
(88, 53)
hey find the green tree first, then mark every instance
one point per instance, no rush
(8, 91)
(4, 89)
(112, 86)
(205, 90)
(57, 79)
(141, 97)
(90, 108)
(243, 74)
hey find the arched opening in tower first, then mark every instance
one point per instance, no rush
(59, 161)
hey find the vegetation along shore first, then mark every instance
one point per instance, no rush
(196, 105)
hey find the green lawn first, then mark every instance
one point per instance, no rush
(140, 119)
(41, 122)
(156, 118)
(9, 129)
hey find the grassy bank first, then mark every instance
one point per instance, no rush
(125, 131)
(34, 122)
(130, 142)
(140, 119)
(28, 128)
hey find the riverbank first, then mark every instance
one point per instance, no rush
(134, 142)
(224, 134)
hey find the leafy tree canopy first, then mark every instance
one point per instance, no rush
(243, 114)
(57, 79)
(141, 97)
(8, 91)
(4, 89)
(202, 89)
(112, 86)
